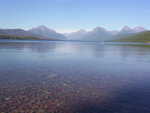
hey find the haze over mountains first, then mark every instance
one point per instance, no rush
(97, 34)
(138, 37)
(101, 34)
(47, 33)
(40, 32)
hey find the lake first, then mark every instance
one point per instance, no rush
(74, 77)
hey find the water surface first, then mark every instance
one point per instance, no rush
(73, 77)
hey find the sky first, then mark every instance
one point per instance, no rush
(72, 15)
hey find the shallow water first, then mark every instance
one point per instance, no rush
(73, 77)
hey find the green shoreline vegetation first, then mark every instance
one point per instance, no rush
(143, 37)
(13, 37)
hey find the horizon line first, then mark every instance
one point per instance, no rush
(76, 30)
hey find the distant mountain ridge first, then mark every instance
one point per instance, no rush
(41, 33)
(101, 34)
(76, 35)
(15, 32)
(139, 37)
(45, 33)
(98, 34)
(127, 29)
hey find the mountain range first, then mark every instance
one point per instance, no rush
(40, 32)
(139, 37)
(45, 33)
(101, 34)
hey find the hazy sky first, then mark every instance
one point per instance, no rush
(70, 15)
